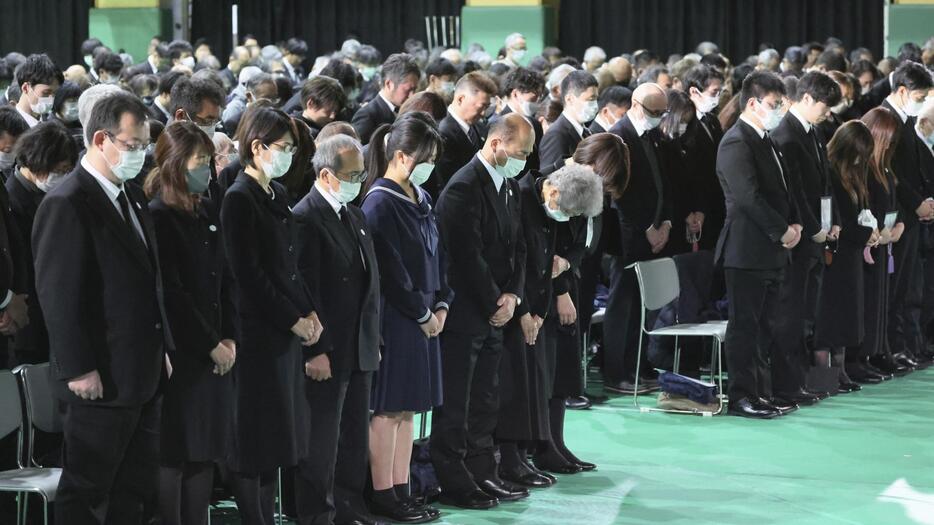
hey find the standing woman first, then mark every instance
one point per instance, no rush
(840, 314)
(276, 316)
(680, 129)
(874, 352)
(197, 405)
(414, 305)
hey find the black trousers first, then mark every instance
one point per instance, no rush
(905, 294)
(794, 323)
(927, 300)
(329, 483)
(621, 324)
(110, 464)
(462, 448)
(753, 296)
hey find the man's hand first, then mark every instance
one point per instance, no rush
(658, 237)
(529, 329)
(885, 236)
(431, 328)
(820, 237)
(507, 308)
(567, 313)
(7, 325)
(318, 368)
(442, 316)
(897, 231)
(304, 328)
(559, 265)
(18, 310)
(791, 237)
(926, 210)
(224, 357)
(318, 327)
(694, 222)
(834, 233)
(87, 386)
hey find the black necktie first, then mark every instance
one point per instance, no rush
(474, 137)
(503, 196)
(649, 147)
(348, 225)
(586, 133)
(125, 211)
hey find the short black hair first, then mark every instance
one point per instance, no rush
(644, 58)
(190, 93)
(652, 73)
(758, 85)
(38, 69)
(342, 72)
(177, 47)
(266, 125)
(397, 67)
(142, 83)
(167, 81)
(296, 46)
(700, 77)
(89, 45)
(833, 60)
(11, 122)
(913, 76)
(324, 92)
(576, 83)
(44, 147)
(109, 62)
(162, 49)
(107, 112)
(525, 80)
(440, 67)
(820, 87)
(864, 66)
(6, 72)
(714, 60)
(909, 52)
(369, 55)
(796, 56)
(616, 95)
(738, 75)
(68, 91)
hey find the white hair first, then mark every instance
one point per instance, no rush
(270, 52)
(248, 73)
(768, 55)
(513, 39)
(594, 53)
(557, 75)
(580, 190)
(481, 57)
(222, 141)
(89, 98)
(350, 47)
(453, 55)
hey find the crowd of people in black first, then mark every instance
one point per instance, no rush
(267, 273)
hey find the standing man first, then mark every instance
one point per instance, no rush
(479, 216)
(579, 94)
(338, 263)
(99, 282)
(399, 76)
(39, 79)
(761, 227)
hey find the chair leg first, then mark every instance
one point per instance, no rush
(677, 355)
(635, 388)
(45, 510)
(279, 495)
(25, 506)
(719, 350)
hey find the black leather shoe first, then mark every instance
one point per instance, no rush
(860, 374)
(528, 463)
(890, 366)
(577, 403)
(872, 369)
(800, 397)
(473, 500)
(404, 512)
(783, 408)
(503, 491)
(847, 387)
(745, 408)
(585, 466)
(530, 480)
(564, 468)
(905, 361)
(820, 395)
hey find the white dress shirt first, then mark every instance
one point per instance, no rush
(113, 191)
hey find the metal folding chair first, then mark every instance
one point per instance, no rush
(658, 286)
(37, 398)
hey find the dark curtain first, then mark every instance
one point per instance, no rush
(54, 27)
(737, 26)
(324, 24)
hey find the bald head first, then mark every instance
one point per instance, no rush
(649, 103)
(510, 136)
(621, 70)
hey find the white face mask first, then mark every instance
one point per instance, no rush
(707, 103)
(512, 168)
(772, 117)
(278, 166)
(518, 54)
(52, 180)
(129, 165)
(556, 215)
(588, 112)
(912, 107)
(6, 160)
(70, 112)
(347, 192)
(447, 89)
(42, 106)
(188, 62)
(865, 90)
(528, 108)
(420, 173)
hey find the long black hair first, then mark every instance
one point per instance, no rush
(415, 134)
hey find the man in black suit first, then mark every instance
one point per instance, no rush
(323, 99)
(524, 89)
(802, 147)
(579, 94)
(480, 221)
(911, 83)
(157, 62)
(296, 50)
(461, 129)
(161, 108)
(399, 76)
(338, 264)
(200, 101)
(645, 213)
(107, 330)
(761, 227)
(612, 105)
(924, 130)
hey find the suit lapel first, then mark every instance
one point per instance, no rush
(489, 191)
(100, 204)
(333, 226)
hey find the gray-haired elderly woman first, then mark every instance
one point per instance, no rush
(554, 211)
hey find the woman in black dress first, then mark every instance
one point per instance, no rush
(415, 299)
(275, 313)
(840, 315)
(680, 128)
(196, 407)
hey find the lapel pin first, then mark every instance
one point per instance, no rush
(363, 233)
(212, 228)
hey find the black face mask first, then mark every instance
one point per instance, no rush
(148, 100)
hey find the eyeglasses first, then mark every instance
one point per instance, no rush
(654, 114)
(139, 146)
(352, 177)
(200, 122)
(778, 104)
(285, 148)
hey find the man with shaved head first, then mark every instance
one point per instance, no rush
(621, 70)
(480, 221)
(645, 212)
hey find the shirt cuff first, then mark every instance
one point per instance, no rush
(424, 319)
(6, 302)
(441, 305)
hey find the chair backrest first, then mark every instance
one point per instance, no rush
(11, 407)
(41, 405)
(658, 282)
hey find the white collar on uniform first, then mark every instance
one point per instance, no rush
(804, 122)
(112, 190)
(498, 179)
(759, 130)
(577, 127)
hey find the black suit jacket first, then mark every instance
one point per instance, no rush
(912, 187)
(595, 127)
(326, 253)
(559, 143)
(371, 116)
(457, 152)
(101, 291)
(644, 203)
(143, 68)
(485, 245)
(809, 175)
(156, 114)
(24, 199)
(539, 232)
(759, 206)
